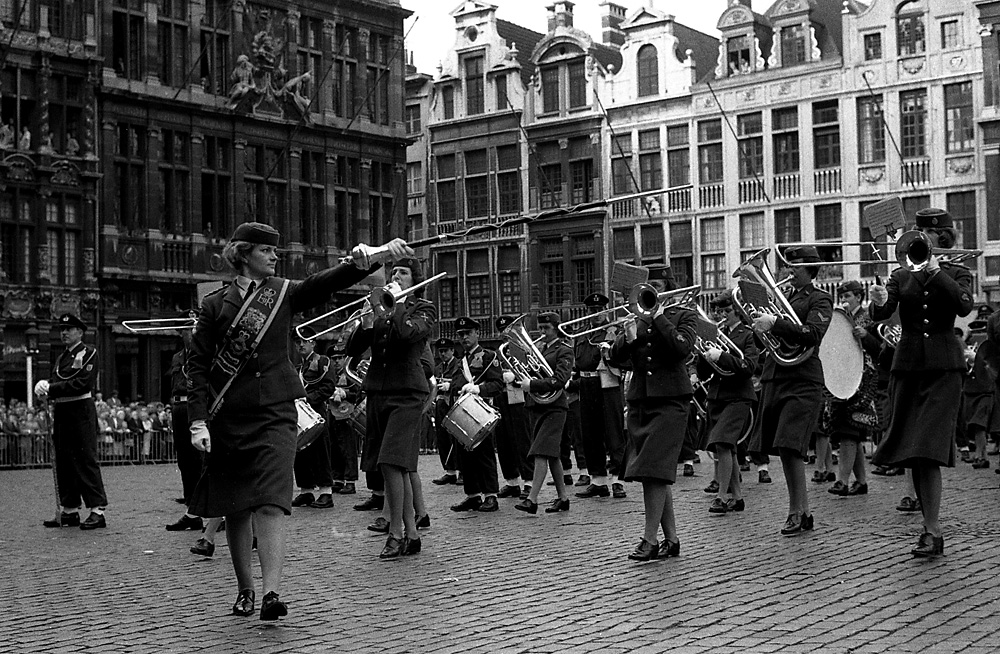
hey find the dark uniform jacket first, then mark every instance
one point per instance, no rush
(486, 373)
(269, 377)
(397, 342)
(814, 308)
(319, 380)
(738, 385)
(73, 373)
(447, 371)
(927, 309)
(658, 355)
(559, 356)
(179, 380)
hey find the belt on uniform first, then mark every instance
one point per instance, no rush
(60, 400)
(179, 398)
(589, 374)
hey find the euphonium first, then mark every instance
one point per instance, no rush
(889, 333)
(534, 365)
(710, 336)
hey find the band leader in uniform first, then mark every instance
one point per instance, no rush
(242, 401)
(926, 384)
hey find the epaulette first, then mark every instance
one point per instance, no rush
(222, 288)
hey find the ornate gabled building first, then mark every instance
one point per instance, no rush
(476, 171)
(988, 31)
(50, 67)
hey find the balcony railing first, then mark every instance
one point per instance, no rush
(915, 172)
(711, 196)
(176, 256)
(750, 190)
(826, 180)
(786, 186)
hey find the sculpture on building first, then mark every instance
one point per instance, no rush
(24, 143)
(6, 135)
(72, 146)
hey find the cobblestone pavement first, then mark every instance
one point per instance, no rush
(510, 582)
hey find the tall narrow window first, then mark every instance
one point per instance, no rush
(951, 36)
(128, 38)
(553, 271)
(624, 245)
(509, 179)
(654, 248)
(175, 182)
(501, 88)
(412, 119)
(477, 282)
(550, 89)
(344, 71)
(581, 173)
(751, 145)
(128, 207)
(647, 71)
(550, 186)
(871, 132)
(509, 274)
(752, 233)
(962, 207)
(311, 199)
(216, 186)
(910, 29)
(793, 45)
(913, 123)
(448, 102)
(447, 211)
(785, 126)
(310, 60)
(173, 42)
(584, 266)
(576, 73)
(787, 226)
(477, 195)
(378, 79)
(828, 222)
(710, 151)
(474, 96)
(960, 132)
(216, 30)
(826, 134)
(678, 156)
(650, 160)
(621, 165)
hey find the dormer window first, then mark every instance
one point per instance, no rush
(910, 29)
(793, 45)
(550, 89)
(738, 59)
(646, 71)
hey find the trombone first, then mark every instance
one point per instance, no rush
(566, 328)
(914, 251)
(159, 325)
(780, 248)
(380, 301)
(645, 300)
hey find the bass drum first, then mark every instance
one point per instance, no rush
(842, 357)
(310, 424)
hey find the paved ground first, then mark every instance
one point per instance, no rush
(509, 582)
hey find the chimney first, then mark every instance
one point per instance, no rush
(560, 14)
(611, 19)
(552, 18)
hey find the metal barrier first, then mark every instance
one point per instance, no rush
(122, 447)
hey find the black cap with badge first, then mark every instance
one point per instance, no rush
(68, 320)
(466, 323)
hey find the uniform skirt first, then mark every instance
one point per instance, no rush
(656, 428)
(547, 424)
(925, 408)
(393, 430)
(978, 409)
(250, 465)
(790, 410)
(729, 421)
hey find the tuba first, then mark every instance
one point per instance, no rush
(759, 294)
(533, 366)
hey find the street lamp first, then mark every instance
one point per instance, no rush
(30, 350)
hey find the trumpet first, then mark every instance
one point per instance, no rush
(381, 302)
(766, 298)
(534, 365)
(159, 325)
(914, 251)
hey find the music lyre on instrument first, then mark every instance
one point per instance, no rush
(842, 356)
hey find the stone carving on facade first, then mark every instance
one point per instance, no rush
(20, 168)
(720, 62)
(960, 165)
(19, 304)
(986, 31)
(871, 175)
(216, 262)
(65, 174)
(129, 255)
(785, 88)
(261, 83)
(43, 262)
(758, 54)
(7, 135)
(89, 259)
(815, 53)
(110, 300)
(89, 302)
(155, 299)
(64, 303)
(774, 59)
(43, 304)
(912, 66)
(956, 62)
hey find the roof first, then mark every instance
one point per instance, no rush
(607, 55)
(525, 41)
(704, 47)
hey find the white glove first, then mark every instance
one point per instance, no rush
(713, 354)
(444, 386)
(339, 394)
(933, 265)
(200, 437)
(471, 388)
(763, 323)
(525, 385)
(878, 294)
(394, 288)
(693, 378)
(42, 388)
(631, 331)
(508, 377)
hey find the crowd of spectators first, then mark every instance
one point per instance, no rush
(133, 432)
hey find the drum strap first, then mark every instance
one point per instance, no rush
(245, 334)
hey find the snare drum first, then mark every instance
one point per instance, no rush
(310, 423)
(471, 420)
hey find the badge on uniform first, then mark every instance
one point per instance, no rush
(78, 359)
(477, 360)
(822, 318)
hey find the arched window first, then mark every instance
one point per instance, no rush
(647, 71)
(910, 29)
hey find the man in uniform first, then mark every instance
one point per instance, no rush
(600, 401)
(312, 463)
(74, 429)
(189, 459)
(343, 439)
(513, 435)
(446, 369)
(480, 374)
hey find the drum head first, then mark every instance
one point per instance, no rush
(842, 357)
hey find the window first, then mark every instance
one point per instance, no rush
(912, 122)
(12, 11)
(63, 237)
(216, 186)
(681, 249)
(581, 175)
(173, 42)
(713, 234)
(378, 77)
(738, 55)
(448, 286)
(873, 46)
(550, 89)
(624, 245)
(646, 66)
(910, 38)
(346, 183)
(584, 264)
(448, 102)
(678, 156)
(344, 71)
(828, 222)
(509, 179)
(714, 275)
(960, 132)
(550, 186)
(501, 88)
(216, 28)
(414, 178)
(871, 135)
(621, 165)
(650, 161)
(751, 147)
(312, 199)
(175, 182)
(710, 151)
(552, 271)
(477, 269)
(785, 124)
(752, 235)
(66, 103)
(509, 278)
(577, 84)
(17, 236)
(129, 181)
(474, 80)
(477, 196)
(447, 210)
(128, 36)
(65, 17)
(962, 207)
(412, 119)
(826, 134)
(266, 186)
(793, 45)
(653, 247)
(787, 226)
(951, 35)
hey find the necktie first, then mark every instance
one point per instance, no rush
(250, 288)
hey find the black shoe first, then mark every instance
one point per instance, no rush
(445, 479)
(423, 521)
(337, 486)
(807, 522)
(527, 506)
(582, 480)
(840, 488)
(524, 493)
(393, 548)
(858, 489)
(594, 490)
(688, 470)
(380, 526)
(718, 506)
(966, 456)
(348, 489)
(65, 520)
(470, 503)
(93, 521)
(831, 476)
(303, 499)
(509, 491)
(763, 477)
(928, 546)
(744, 467)
(713, 487)
(187, 523)
(373, 503)
(908, 505)
(203, 548)
(411, 546)
(793, 524)
(880, 471)
(181, 500)
(670, 549)
(324, 501)
(244, 603)
(645, 551)
(618, 491)
(272, 608)
(490, 505)
(557, 506)
(736, 505)
(981, 464)
(818, 476)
